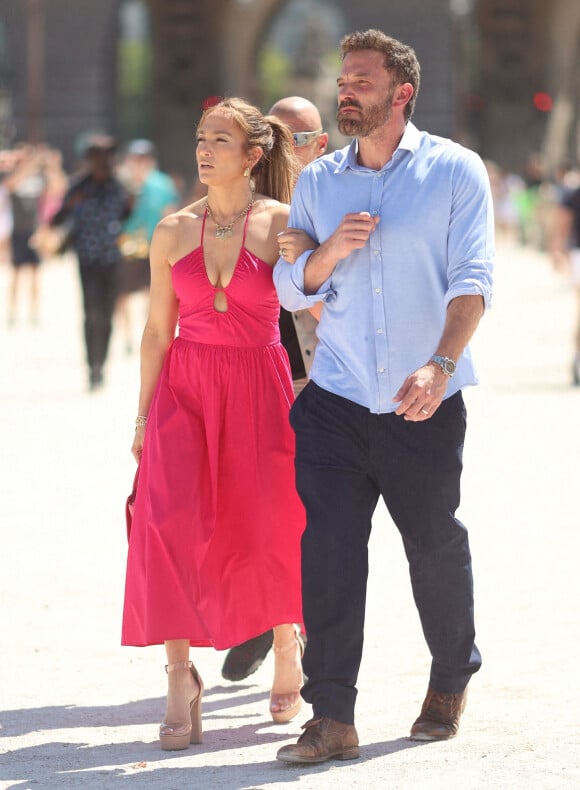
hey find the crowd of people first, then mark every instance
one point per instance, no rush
(305, 350)
(531, 209)
(106, 211)
(540, 209)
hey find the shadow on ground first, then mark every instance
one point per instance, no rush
(73, 765)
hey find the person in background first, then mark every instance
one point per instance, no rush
(303, 119)
(214, 545)
(97, 204)
(565, 250)
(404, 223)
(6, 224)
(25, 186)
(310, 141)
(155, 196)
(46, 239)
(297, 333)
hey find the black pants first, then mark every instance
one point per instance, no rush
(100, 286)
(346, 458)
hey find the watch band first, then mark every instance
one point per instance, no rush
(446, 364)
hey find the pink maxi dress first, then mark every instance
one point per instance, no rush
(214, 547)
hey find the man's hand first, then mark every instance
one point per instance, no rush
(421, 393)
(352, 234)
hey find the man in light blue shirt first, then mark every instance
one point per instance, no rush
(404, 224)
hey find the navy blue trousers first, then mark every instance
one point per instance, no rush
(346, 458)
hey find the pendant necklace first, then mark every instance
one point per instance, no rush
(226, 231)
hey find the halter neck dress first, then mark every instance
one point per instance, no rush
(214, 547)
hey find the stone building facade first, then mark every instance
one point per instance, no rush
(483, 62)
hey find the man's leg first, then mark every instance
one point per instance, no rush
(340, 498)
(91, 300)
(109, 278)
(422, 464)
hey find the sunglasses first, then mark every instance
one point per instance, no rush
(304, 138)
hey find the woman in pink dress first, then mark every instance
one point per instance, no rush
(214, 546)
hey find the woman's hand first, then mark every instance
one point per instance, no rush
(137, 446)
(293, 242)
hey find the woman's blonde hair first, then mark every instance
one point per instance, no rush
(276, 171)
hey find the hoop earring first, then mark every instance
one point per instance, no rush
(247, 172)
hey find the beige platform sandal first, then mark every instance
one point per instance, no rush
(178, 736)
(288, 679)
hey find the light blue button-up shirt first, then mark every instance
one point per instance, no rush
(385, 304)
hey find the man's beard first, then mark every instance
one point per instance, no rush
(372, 118)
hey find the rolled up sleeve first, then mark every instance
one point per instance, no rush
(289, 283)
(471, 252)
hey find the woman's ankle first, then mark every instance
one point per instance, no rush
(284, 636)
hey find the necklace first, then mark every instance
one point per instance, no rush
(226, 231)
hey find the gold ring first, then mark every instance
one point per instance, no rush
(282, 251)
(424, 411)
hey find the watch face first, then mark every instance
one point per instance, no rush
(449, 366)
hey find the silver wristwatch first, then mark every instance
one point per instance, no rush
(446, 364)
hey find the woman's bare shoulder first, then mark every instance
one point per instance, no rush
(178, 233)
(276, 211)
(183, 217)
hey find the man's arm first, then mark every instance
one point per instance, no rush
(308, 277)
(470, 265)
(352, 234)
(422, 392)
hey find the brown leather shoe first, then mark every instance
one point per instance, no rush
(322, 739)
(439, 717)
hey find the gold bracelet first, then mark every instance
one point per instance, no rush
(140, 421)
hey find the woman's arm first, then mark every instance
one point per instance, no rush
(159, 330)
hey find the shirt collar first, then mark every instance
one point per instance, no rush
(410, 141)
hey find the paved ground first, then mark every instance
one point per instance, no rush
(80, 711)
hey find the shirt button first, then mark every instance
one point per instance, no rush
(376, 252)
(377, 290)
(379, 331)
(381, 370)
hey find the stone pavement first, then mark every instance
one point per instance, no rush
(80, 711)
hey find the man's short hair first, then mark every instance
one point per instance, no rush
(400, 59)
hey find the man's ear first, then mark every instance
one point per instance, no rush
(322, 143)
(403, 94)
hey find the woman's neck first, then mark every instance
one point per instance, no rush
(226, 202)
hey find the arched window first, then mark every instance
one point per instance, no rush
(134, 71)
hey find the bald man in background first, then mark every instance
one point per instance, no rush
(303, 119)
(297, 333)
(298, 330)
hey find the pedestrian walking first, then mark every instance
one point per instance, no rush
(404, 221)
(97, 204)
(214, 548)
(24, 185)
(565, 246)
(155, 196)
